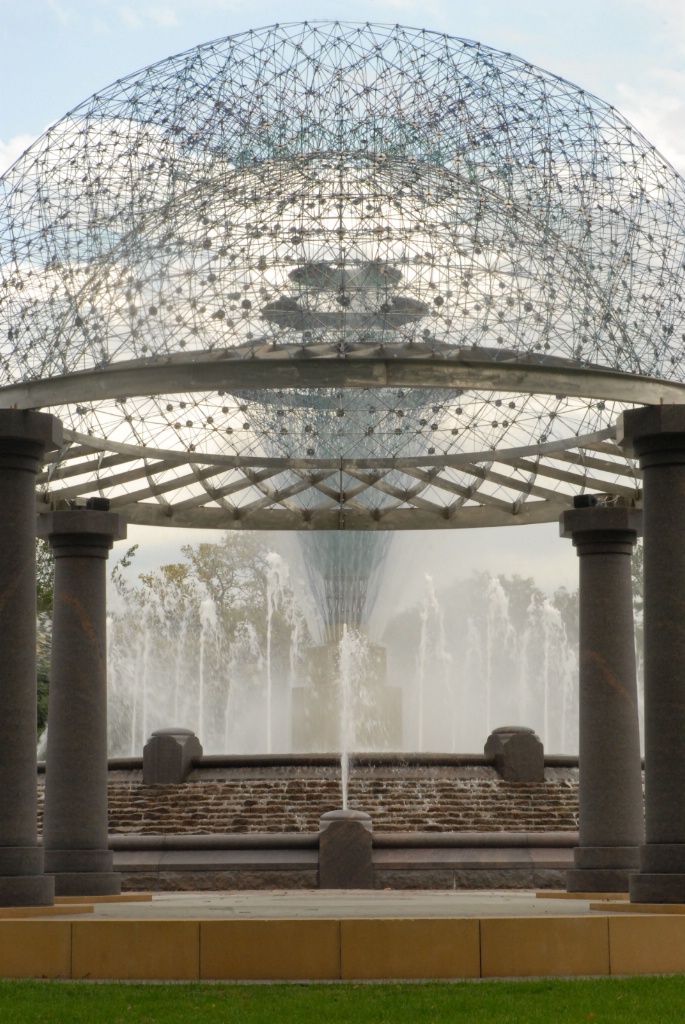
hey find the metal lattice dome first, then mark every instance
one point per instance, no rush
(328, 275)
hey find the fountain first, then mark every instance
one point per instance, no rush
(303, 665)
(345, 700)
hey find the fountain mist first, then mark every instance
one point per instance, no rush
(236, 662)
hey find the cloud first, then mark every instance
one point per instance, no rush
(130, 18)
(63, 14)
(165, 17)
(666, 19)
(12, 150)
(658, 111)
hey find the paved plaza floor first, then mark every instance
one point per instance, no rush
(337, 904)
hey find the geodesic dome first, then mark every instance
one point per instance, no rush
(340, 276)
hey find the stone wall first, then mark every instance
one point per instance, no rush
(291, 798)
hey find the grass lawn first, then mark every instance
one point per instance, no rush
(601, 1001)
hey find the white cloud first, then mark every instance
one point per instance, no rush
(130, 18)
(666, 19)
(659, 113)
(165, 17)
(12, 150)
(63, 14)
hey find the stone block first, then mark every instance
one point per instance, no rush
(317, 713)
(528, 947)
(35, 949)
(518, 753)
(168, 756)
(647, 945)
(345, 850)
(130, 950)
(285, 950)
(376, 950)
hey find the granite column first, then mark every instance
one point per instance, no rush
(611, 819)
(656, 435)
(75, 833)
(24, 438)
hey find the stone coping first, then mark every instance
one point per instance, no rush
(361, 760)
(310, 841)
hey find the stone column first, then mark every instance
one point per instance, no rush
(24, 438)
(656, 435)
(611, 822)
(75, 817)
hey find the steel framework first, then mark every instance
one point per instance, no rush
(327, 276)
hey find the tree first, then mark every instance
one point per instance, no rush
(638, 574)
(45, 577)
(191, 637)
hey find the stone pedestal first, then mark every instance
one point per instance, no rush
(656, 435)
(168, 756)
(345, 850)
(611, 822)
(518, 753)
(375, 711)
(75, 834)
(24, 438)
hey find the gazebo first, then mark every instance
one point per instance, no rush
(328, 277)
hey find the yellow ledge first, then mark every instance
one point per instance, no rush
(643, 908)
(125, 897)
(605, 896)
(13, 913)
(365, 949)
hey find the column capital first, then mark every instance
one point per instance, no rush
(93, 528)
(35, 427)
(651, 428)
(25, 436)
(601, 524)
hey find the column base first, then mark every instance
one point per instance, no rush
(60, 862)
(598, 879)
(652, 888)
(27, 891)
(87, 883)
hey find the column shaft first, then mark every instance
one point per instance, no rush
(24, 437)
(611, 821)
(664, 586)
(75, 834)
(657, 436)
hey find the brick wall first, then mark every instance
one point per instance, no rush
(292, 798)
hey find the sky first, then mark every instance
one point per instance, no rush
(631, 53)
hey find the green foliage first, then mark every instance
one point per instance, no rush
(553, 1001)
(45, 580)
(124, 562)
(43, 696)
(638, 573)
(233, 573)
(198, 629)
(45, 577)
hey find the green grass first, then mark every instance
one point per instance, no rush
(601, 1001)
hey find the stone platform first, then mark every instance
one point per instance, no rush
(331, 936)
(400, 861)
